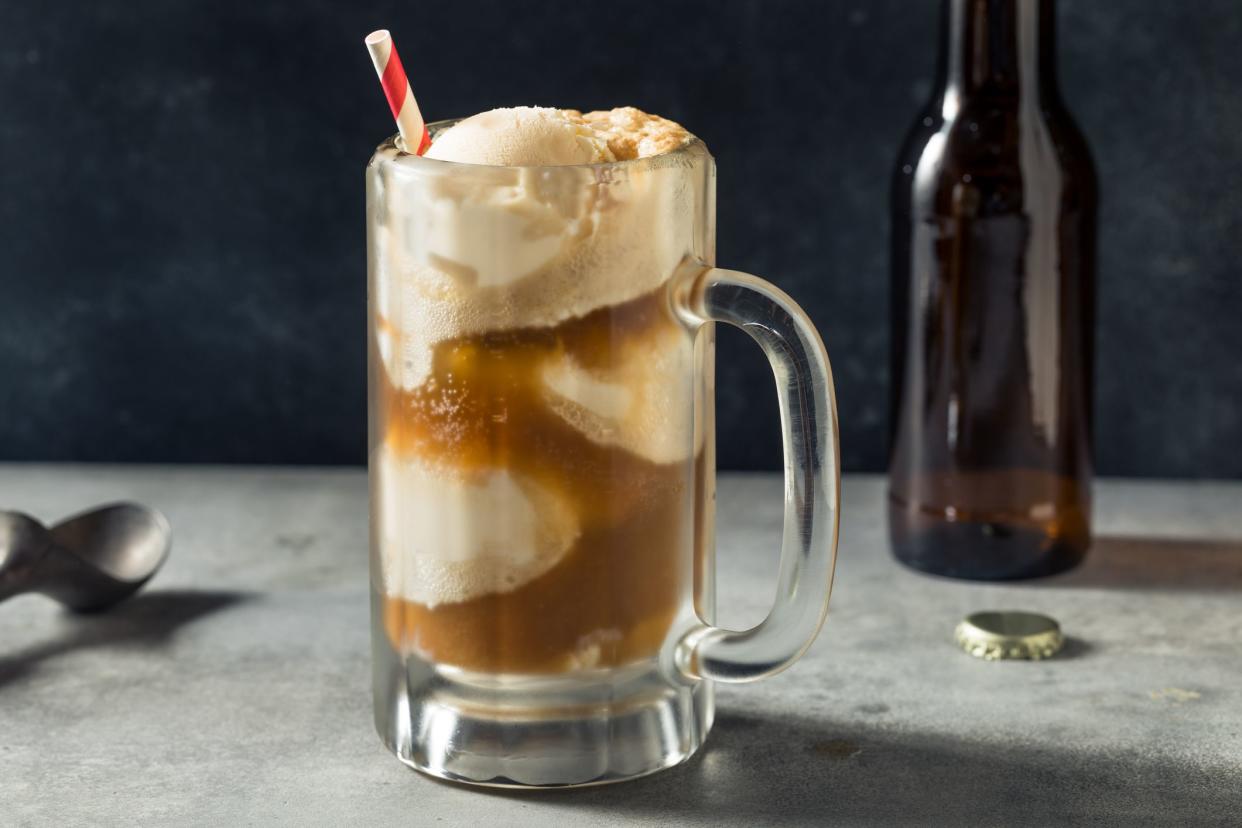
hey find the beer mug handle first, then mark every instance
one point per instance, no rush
(812, 475)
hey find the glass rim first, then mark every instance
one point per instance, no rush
(410, 160)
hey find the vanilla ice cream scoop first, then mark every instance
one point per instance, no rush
(447, 537)
(522, 136)
(641, 402)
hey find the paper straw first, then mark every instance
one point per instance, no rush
(397, 89)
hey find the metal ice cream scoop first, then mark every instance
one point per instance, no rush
(87, 562)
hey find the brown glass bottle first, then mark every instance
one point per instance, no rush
(993, 256)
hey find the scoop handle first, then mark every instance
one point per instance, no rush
(24, 547)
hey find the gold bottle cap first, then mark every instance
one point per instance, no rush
(1005, 634)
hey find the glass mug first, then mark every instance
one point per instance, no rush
(542, 471)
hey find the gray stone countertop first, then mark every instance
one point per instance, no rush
(235, 689)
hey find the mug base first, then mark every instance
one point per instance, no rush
(525, 732)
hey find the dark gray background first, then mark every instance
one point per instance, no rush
(181, 204)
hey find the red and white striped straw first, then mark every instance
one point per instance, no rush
(397, 89)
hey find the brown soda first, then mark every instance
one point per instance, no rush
(613, 596)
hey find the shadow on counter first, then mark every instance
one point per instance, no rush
(1125, 562)
(147, 620)
(793, 771)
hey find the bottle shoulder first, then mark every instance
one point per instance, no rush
(989, 153)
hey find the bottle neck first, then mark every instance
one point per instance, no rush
(999, 47)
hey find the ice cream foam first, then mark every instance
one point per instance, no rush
(641, 402)
(509, 248)
(631, 133)
(446, 537)
(522, 136)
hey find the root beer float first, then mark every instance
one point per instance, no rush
(527, 367)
